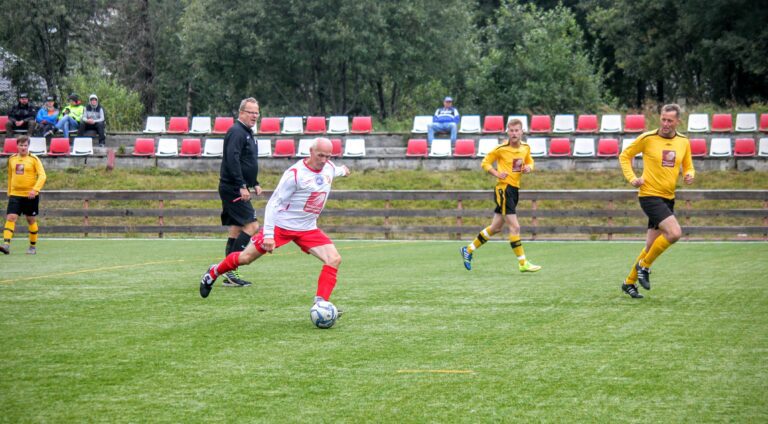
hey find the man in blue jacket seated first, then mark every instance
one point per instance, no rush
(446, 119)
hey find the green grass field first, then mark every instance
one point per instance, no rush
(115, 331)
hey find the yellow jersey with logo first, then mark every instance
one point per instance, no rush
(25, 173)
(509, 159)
(662, 159)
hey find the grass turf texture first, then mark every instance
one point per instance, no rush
(115, 331)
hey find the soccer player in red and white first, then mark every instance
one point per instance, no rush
(291, 215)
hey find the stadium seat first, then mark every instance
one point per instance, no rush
(304, 144)
(698, 123)
(178, 125)
(144, 147)
(538, 146)
(10, 147)
(82, 146)
(155, 125)
(720, 147)
(698, 147)
(746, 122)
(587, 124)
(744, 147)
(362, 125)
(191, 147)
(584, 147)
(634, 123)
(559, 147)
(200, 125)
(541, 124)
(264, 145)
(420, 124)
(470, 124)
(37, 146)
(417, 147)
(626, 142)
(610, 124)
(522, 118)
(222, 124)
(214, 147)
(464, 148)
(441, 147)
(762, 150)
(722, 122)
(564, 124)
(493, 124)
(763, 122)
(59, 147)
(354, 147)
(336, 150)
(167, 147)
(315, 125)
(485, 145)
(293, 125)
(269, 126)
(607, 147)
(337, 125)
(3, 121)
(284, 148)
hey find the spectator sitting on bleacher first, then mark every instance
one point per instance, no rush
(47, 117)
(445, 119)
(71, 115)
(21, 117)
(93, 119)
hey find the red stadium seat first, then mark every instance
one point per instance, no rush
(722, 122)
(59, 147)
(191, 147)
(608, 147)
(763, 122)
(559, 147)
(587, 124)
(541, 124)
(10, 147)
(144, 147)
(464, 148)
(362, 125)
(284, 148)
(222, 124)
(698, 147)
(634, 123)
(336, 147)
(493, 124)
(744, 147)
(3, 121)
(269, 126)
(417, 147)
(178, 125)
(315, 125)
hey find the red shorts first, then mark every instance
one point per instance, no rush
(304, 239)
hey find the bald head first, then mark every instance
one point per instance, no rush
(322, 143)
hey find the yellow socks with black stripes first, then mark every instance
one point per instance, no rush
(657, 248)
(481, 239)
(8, 230)
(632, 277)
(33, 234)
(517, 247)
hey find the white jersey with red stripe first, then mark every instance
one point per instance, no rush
(299, 198)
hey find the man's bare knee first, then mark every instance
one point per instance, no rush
(334, 260)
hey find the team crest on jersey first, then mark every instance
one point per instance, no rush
(517, 165)
(668, 158)
(319, 179)
(19, 169)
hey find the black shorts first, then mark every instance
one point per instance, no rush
(506, 200)
(657, 209)
(233, 212)
(19, 205)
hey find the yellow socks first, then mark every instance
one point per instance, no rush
(517, 247)
(33, 234)
(481, 239)
(632, 277)
(8, 231)
(657, 248)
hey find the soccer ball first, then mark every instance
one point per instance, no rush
(323, 314)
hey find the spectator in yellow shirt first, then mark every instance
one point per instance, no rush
(26, 178)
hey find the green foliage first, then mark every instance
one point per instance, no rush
(123, 106)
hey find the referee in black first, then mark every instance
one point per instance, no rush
(239, 174)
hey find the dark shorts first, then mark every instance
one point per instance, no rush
(506, 200)
(657, 209)
(19, 205)
(235, 212)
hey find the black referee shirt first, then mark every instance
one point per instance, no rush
(240, 164)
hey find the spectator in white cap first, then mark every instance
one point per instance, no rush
(446, 119)
(94, 119)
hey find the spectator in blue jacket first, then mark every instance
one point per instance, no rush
(47, 117)
(445, 119)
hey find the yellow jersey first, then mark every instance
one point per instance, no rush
(662, 159)
(509, 159)
(25, 173)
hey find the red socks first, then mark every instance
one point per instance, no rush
(326, 282)
(232, 261)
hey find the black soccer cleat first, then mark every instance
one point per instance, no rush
(643, 276)
(631, 290)
(5, 248)
(206, 283)
(235, 280)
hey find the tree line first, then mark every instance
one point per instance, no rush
(391, 59)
